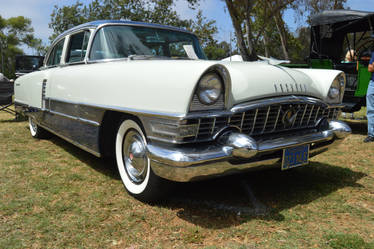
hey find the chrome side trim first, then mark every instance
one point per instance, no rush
(72, 141)
(78, 131)
(75, 118)
(124, 109)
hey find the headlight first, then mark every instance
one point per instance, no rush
(336, 90)
(209, 89)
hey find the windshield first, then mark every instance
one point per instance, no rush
(119, 41)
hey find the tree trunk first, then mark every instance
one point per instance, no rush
(238, 30)
(248, 28)
(282, 33)
(265, 40)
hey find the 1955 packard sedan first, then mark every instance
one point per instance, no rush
(147, 95)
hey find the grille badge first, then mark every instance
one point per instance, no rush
(289, 116)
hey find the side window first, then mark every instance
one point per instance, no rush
(55, 56)
(77, 47)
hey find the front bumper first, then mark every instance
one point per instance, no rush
(234, 152)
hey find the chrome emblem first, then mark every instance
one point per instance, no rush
(289, 117)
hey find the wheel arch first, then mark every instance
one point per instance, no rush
(108, 130)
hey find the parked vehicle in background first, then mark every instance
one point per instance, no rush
(146, 94)
(27, 64)
(334, 34)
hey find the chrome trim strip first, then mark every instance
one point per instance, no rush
(254, 121)
(122, 109)
(213, 126)
(198, 128)
(310, 115)
(276, 121)
(302, 118)
(315, 119)
(72, 141)
(75, 118)
(67, 139)
(266, 119)
(242, 121)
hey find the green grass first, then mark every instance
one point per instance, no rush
(54, 195)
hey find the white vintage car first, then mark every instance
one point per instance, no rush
(147, 95)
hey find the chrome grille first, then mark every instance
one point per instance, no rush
(266, 120)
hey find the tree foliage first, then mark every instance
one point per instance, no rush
(260, 28)
(14, 33)
(153, 11)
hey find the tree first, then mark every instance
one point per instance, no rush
(312, 7)
(15, 32)
(153, 11)
(243, 15)
(217, 51)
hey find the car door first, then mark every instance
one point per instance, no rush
(70, 117)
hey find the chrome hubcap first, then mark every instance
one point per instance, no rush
(134, 156)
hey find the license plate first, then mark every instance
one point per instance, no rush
(295, 156)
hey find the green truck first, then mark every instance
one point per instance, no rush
(343, 40)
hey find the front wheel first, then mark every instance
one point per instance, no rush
(37, 131)
(133, 163)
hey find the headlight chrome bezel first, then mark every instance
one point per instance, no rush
(224, 99)
(336, 91)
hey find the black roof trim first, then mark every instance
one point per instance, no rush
(335, 16)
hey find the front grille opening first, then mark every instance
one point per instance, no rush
(268, 120)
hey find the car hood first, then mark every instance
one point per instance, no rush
(256, 80)
(167, 86)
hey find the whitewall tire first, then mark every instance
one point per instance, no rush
(37, 131)
(133, 163)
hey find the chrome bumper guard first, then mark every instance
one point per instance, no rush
(234, 152)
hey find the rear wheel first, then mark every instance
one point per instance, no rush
(133, 163)
(37, 131)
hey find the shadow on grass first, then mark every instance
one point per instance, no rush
(13, 120)
(106, 166)
(358, 126)
(232, 200)
(225, 202)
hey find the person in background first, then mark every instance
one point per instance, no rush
(350, 57)
(370, 103)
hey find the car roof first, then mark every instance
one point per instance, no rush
(335, 16)
(96, 24)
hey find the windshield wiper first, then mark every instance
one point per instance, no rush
(155, 57)
(147, 57)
